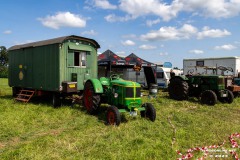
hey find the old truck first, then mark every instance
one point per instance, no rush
(67, 66)
(124, 96)
(218, 66)
(209, 88)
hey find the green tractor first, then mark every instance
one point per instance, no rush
(123, 96)
(209, 88)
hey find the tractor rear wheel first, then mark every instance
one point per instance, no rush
(149, 112)
(113, 116)
(209, 97)
(178, 89)
(228, 99)
(91, 100)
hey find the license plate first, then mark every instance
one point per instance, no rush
(224, 95)
(71, 85)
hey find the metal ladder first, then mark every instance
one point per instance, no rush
(25, 95)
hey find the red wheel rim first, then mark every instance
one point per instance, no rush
(111, 118)
(88, 100)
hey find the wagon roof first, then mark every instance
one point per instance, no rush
(53, 41)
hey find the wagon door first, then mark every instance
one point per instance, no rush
(78, 64)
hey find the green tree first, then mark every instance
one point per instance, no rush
(3, 62)
(3, 56)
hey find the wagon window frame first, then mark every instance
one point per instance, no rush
(77, 55)
(77, 58)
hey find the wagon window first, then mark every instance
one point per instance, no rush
(200, 63)
(77, 58)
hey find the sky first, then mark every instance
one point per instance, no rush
(156, 30)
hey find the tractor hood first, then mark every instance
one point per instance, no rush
(124, 83)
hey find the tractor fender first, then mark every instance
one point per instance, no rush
(97, 85)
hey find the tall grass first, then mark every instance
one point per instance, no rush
(38, 131)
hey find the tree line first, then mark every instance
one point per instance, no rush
(3, 62)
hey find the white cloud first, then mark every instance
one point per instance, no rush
(149, 23)
(225, 47)
(138, 8)
(163, 54)
(91, 32)
(212, 33)
(212, 8)
(196, 51)
(187, 31)
(121, 54)
(128, 43)
(7, 32)
(114, 18)
(170, 33)
(147, 47)
(104, 4)
(63, 19)
(168, 11)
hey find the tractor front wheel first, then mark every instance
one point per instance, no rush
(149, 112)
(209, 97)
(91, 100)
(228, 99)
(113, 116)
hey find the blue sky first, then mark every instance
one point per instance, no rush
(155, 30)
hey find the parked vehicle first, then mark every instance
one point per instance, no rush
(228, 66)
(209, 88)
(164, 76)
(57, 67)
(123, 96)
(67, 66)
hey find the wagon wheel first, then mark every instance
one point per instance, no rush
(113, 116)
(209, 97)
(91, 100)
(56, 100)
(149, 112)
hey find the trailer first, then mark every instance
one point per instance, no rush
(163, 75)
(56, 67)
(227, 66)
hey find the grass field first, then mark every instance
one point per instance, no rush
(38, 131)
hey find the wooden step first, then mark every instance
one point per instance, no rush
(21, 99)
(25, 95)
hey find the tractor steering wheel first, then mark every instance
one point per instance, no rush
(114, 76)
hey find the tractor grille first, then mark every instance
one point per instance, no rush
(138, 92)
(221, 81)
(130, 92)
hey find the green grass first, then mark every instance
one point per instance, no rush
(38, 131)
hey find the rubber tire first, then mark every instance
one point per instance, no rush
(209, 97)
(228, 99)
(91, 100)
(178, 89)
(56, 100)
(113, 116)
(149, 112)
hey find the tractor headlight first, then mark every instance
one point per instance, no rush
(115, 95)
(141, 94)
